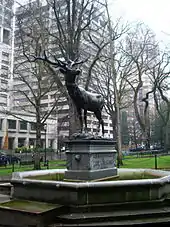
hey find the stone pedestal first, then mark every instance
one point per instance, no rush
(90, 159)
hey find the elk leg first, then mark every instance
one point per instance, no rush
(79, 111)
(102, 123)
(85, 120)
(99, 117)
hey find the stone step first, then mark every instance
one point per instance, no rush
(5, 188)
(163, 221)
(116, 216)
(120, 206)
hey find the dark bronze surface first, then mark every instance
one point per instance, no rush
(83, 100)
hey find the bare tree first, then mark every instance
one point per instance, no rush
(103, 82)
(104, 85)
(100, 72)
(101, 45)
(135, 133)
(159, 75)
(36, 82)
(35, 85)
(142, 50)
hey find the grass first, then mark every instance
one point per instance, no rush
(54, 164)
(163, 162)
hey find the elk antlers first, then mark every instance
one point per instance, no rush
(58, 62)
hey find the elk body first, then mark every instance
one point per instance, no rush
(83, 100)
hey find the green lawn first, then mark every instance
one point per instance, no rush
(163, 162)
(54, 164)
(149, 162)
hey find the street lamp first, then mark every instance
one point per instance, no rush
(45, 130)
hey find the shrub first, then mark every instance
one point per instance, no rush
(17, 150)
(25, 149)
(50, 149)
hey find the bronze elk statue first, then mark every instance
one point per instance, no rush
(83, 100)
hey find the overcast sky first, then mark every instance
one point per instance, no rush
(155, 13)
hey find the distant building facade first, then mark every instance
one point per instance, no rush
(20, 133)
(6, 32)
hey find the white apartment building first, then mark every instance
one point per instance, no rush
(12, 127)
(6, 26)
(6, 30)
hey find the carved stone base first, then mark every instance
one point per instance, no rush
(85, 136)
(91, 159)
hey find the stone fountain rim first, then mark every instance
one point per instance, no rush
(20, 177)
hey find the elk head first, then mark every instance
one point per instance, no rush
(65, 68)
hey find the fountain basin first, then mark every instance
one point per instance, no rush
(91, 193)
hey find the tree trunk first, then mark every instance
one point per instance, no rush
(119, 142)
(147, 139)
(134, 138)
(166, 141)
(114, 74)
(74, 123)
(161, 137)
(114, 123)
(37, 165)
(117, 132)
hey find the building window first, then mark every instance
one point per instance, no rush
(5, 54)
(9, 3)
(63, 111)
(5, 76)
(60, 128)
(33, 126)
(2, 104)
(1, 124)
(3, 89)
(4, 81)
(0, 9)
(4, 67)
(3, 98)
(3, 95)
(8, 14)
(43, 105)
(5, 62)
(23, 125)
(45, 97)
(6, 36)
(11, 124)
(7, 23)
